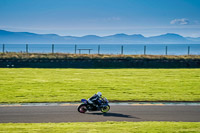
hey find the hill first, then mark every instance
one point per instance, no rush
(9, 37)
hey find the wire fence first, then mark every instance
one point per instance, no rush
(154, 49)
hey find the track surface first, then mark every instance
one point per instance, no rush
(35, 114)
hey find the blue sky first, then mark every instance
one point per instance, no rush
(102, 17)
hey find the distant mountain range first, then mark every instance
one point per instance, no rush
(8, 37)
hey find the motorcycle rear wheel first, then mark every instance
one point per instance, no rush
(82, 108)
(105, 109)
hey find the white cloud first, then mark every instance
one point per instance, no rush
(182, 21)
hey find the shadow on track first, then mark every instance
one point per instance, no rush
(113, 115)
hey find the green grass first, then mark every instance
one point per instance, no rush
(64, 85)
(103, 127)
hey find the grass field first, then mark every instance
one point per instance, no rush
(105, 127)
(65, 85)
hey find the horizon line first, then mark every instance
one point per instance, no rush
(95, 34)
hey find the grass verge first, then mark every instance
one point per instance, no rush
(14, 55)
(105, 127)
(65, 85)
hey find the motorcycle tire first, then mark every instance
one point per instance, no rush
(105, 109)
(82, 108)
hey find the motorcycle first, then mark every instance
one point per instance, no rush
(86, 106)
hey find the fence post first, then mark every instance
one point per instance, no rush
(27, 48)
(99, 49)
(166, 50)
(144, 50)
(188, 50)
(52, 48)
(122, 49)
(3, 49)
(75, 49)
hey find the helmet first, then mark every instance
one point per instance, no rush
(99, 94)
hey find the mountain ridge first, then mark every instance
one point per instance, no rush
(120, 38)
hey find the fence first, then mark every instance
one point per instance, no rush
(102, 49)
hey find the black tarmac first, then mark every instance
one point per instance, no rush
(41, 114)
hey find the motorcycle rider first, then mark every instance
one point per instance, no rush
(94, 100)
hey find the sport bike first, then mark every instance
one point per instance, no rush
(86, 106)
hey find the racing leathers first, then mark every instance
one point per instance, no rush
(94, 100)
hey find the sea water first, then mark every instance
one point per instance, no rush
(127, 49)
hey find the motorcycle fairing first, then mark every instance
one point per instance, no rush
(84, 101)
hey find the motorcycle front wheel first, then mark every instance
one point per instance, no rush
(82, 108)
(105, 109)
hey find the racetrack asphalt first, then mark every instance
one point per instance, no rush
(41, 114)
